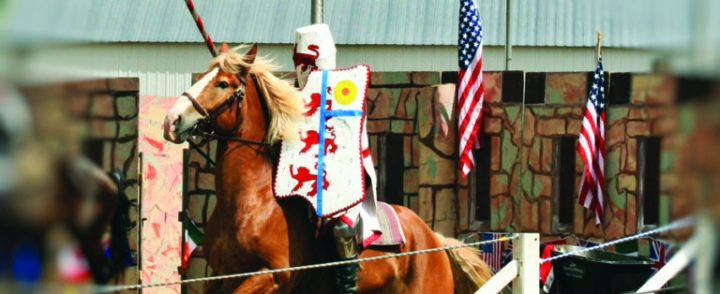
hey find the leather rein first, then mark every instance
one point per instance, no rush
(204, 126)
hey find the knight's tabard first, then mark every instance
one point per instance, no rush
(326, 165)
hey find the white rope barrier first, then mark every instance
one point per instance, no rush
(110, 289)
(681, 223)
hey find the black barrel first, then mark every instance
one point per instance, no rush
(598, 271)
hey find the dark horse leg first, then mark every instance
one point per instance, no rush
(101, 198)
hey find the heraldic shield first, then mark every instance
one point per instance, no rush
(325, 165)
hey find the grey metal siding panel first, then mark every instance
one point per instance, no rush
(626, 23)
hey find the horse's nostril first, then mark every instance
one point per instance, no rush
(177, 121)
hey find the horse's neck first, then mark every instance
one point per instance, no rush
(244, 171)
(244, 175)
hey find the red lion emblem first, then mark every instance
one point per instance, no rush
(315, 103)
(303, 176)
(313, 138)
(306, 60)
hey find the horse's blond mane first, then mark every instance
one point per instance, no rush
(282, 99)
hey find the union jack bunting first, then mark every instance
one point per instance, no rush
(492, 253)
(660, 253)
(586, 243)
(591, 147)
(470, 81)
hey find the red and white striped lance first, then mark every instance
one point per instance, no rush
(201, 27)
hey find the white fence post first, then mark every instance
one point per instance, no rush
(706, 228)
(527, 252)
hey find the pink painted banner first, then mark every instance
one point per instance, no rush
(162, 196)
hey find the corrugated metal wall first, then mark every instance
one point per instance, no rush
(165, 70)
(626, 23)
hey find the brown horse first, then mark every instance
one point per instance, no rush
(251, 230)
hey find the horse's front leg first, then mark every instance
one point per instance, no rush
(267, 283)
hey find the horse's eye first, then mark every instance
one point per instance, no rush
(223, 85)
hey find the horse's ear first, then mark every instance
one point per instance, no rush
(250, 55)
(224, 48)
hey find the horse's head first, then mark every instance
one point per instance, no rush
(238, 96)
(215, 98)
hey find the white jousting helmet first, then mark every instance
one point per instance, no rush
(314, 48)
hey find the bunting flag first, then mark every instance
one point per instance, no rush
(470, 82)
(72, 265)
(586, 243)
(508, 253)
(492, 252)
(547, 276)
(546, 269)
(192, 239)
(591, 147)
(660, 254)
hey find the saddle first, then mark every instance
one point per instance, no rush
(392, 232)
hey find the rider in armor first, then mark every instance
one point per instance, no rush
(356, 227)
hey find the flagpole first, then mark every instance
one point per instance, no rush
(597, 63)
(599, 41)
(316, 11)
(508, 35)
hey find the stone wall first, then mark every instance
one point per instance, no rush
(406, 104)
(199, 200)
(522, 155)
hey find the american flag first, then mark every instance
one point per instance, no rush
(470, 84)
(591, 147)
(492, 253)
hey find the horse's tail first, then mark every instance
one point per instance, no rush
(469, 270)
(119, 226)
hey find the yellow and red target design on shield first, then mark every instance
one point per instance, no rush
(345, 92)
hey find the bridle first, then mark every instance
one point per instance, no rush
(204, 126)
